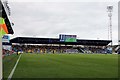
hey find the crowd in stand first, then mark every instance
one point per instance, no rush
(58, 49)
(41, 49)
(7, 52)
(118, 51)
(98, 50)
(55, 49)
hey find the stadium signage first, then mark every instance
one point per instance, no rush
(67, 38)
(6, 39)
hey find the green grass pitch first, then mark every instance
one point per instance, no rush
(67, 66)
(8, 64)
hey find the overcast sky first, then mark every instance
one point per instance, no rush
(87, 20)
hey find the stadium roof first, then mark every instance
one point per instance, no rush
(31, 40)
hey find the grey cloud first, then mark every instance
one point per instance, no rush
(85, 19)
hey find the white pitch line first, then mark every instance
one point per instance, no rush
(11, 74)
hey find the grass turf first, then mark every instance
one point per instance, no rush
(67, 66)
(8, 64)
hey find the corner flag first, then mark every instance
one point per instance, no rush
(3, 27)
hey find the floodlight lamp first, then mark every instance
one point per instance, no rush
(110, 8)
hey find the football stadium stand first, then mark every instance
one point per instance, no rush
(54, 45)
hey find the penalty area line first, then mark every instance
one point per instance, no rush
(11, 74)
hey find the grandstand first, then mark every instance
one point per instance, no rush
(118, 47)
(55, 45)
